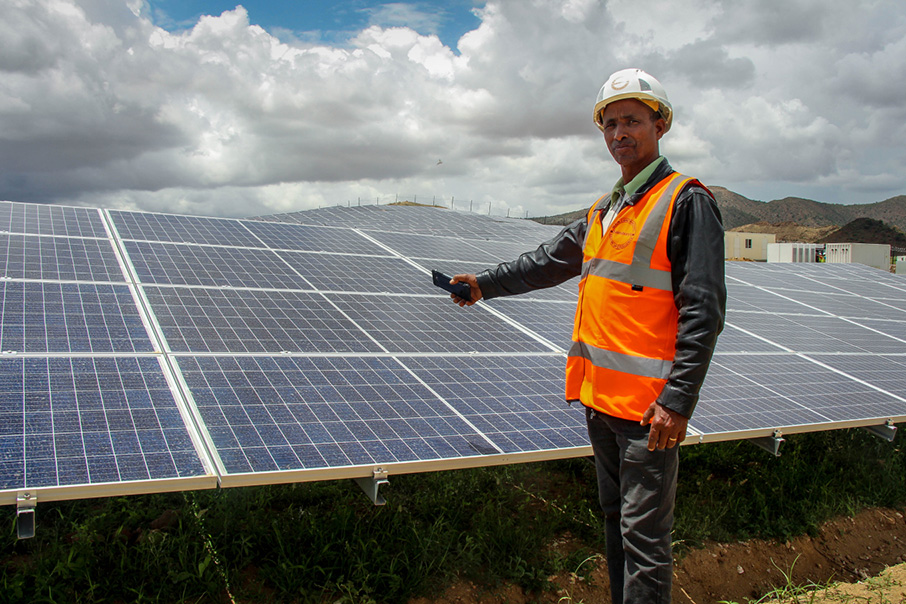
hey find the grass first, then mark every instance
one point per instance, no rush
(326, 542)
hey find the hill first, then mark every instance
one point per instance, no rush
(788, 231)
(867, 230)
(738, 210)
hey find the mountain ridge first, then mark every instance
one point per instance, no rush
(738, 210)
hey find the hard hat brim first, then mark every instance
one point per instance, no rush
(665, 110)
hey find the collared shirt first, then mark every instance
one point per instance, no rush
(622, 191)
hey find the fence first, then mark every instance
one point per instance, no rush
(451, 202)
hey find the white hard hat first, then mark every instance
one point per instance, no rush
(633, 84)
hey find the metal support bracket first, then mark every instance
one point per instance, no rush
(25, 514)
(371, 485)
(887, 430)
(771, 444)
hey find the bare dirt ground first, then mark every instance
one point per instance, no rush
(854, 552)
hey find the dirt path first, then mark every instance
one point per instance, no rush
(855, 551)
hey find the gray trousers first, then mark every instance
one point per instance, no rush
(637, 490)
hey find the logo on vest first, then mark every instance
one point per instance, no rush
(622, 233)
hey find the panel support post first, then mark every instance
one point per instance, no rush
(771, 444)
(372, 484)
(887, 430)
(25, 514)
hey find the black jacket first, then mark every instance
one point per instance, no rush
(695, 248)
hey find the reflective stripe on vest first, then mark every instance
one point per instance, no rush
(609, 359)
(626, 317)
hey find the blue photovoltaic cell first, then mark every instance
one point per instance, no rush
(291, 413)
(145, 226)
(895, 303)
(364, 274)
(853, 334)
(892, 329)
(429, 246)
(70, 317)
(551, 320)
(887, 372)
(750, 392)
(89, 421)
(313, 238)
(433, 325)
(503, 251)
(422, 220)
(845, 305)
(253, 321)
(41, 219)
(518, 401)
(732, 398)
(178, 264)
(749, 297)
(58, 259)
(734, 339)
(881, 288)
(798, 333)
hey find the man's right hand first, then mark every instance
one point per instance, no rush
(473, 287)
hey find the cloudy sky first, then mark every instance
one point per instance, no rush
(212, 108)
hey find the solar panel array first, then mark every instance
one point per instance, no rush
(147, 352)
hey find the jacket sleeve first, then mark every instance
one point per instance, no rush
(552, 263)
(696, 251)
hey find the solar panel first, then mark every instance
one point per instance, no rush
(313, 238)
(58, 259)
(429, 246)
(422, 220)
(433, 325)
(364, 274)
(551, 320)
(145, 226)
(891, 329)
(253, 352)
(735, 339)
(887, 372)
(516, 401)
(806, 333)
(784, 391)
(267, 414)
(253, 321)
(38, 219)
(180, 264)
(70, 318)
(67, 424)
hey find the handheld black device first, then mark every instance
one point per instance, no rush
(460, 289)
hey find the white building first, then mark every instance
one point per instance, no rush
(794, 252)
(748, 246)
(872, 254)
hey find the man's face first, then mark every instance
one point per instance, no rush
(632, 133)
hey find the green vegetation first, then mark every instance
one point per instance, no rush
(326, 542)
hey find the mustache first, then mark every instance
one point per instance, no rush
(622, 145)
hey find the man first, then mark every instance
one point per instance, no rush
(651, 304)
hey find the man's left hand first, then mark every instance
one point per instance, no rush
(668, 428)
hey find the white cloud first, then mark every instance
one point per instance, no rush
(99, 106)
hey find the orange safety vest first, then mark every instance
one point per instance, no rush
(624, 338)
